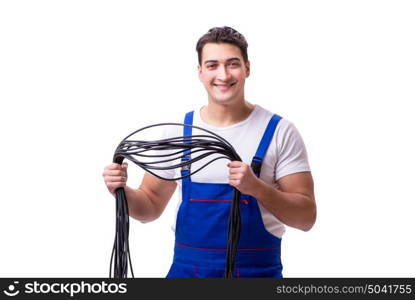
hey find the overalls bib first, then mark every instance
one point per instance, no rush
(202, 226)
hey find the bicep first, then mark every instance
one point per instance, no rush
(301, 183)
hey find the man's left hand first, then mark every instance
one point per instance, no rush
(242, 177)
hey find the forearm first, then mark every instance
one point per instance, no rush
(293, 209)
(140, 206)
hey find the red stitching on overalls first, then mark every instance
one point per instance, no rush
(237, 273)
(224, 249)
(245, 201)
(195, 271)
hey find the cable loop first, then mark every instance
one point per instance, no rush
(197, 147)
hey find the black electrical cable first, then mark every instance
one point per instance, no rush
(198, 147)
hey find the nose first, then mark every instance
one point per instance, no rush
(223, 73)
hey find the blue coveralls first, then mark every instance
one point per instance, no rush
(202, 226)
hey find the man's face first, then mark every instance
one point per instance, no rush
(223, 72)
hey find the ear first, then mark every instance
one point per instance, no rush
(247, 68)
(199, 72)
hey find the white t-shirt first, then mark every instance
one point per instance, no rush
(286, 155)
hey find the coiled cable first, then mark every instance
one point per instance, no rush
(194, 148)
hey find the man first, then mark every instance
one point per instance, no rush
(276, 191)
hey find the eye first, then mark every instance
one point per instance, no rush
(234, 64)
(211, 66)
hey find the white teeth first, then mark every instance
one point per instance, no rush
(225, 85)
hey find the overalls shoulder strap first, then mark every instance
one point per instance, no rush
(188, 120)
(187, 131)
(264, 144)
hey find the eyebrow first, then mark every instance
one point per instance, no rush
(228, 60)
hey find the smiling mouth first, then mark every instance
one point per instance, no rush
(225, 85)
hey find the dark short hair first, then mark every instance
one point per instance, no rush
(223, 34)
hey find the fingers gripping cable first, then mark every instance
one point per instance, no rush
(171, 153)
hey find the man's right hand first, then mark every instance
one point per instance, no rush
(115, 176)
(147, 202)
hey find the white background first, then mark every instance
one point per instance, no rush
(78, 76)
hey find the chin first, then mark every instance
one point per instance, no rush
(222, 100)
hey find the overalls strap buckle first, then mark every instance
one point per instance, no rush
(186, 168)
(256, 165)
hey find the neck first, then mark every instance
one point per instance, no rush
(222, 115)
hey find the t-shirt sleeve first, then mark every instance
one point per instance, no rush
(291, 151)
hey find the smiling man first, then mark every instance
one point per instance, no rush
(274, 176)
